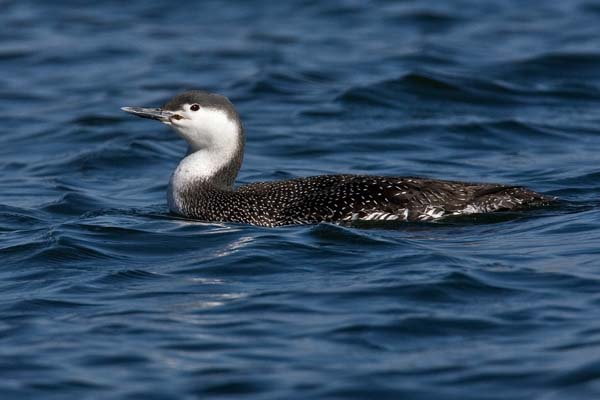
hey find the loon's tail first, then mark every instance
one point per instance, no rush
(507, 198)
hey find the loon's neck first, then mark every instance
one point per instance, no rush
(216, 141)
(212, 169)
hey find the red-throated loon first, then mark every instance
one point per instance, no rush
(202, 185)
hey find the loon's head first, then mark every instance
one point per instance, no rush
(206, 121)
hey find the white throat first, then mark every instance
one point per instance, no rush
(213, 142)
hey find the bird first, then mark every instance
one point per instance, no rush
(202, 186)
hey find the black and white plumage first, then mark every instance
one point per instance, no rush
(202, 185)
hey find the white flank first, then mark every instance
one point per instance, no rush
(432, 213)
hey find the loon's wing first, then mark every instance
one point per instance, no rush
(356, 197)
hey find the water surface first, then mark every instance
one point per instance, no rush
(104, 294)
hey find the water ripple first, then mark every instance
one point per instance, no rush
(105, 293)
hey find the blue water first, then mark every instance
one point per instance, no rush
(104, 294)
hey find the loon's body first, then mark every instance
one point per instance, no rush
(202, 186)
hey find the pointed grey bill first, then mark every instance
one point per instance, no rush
(151, 113)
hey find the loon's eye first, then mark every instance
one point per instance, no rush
(195, 107)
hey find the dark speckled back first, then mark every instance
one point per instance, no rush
(346, 198)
